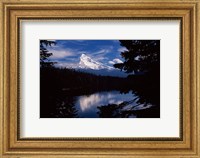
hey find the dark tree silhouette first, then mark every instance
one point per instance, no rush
(141, 56)
(44, 53)
(118, 111)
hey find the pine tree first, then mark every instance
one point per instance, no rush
(44, 54)
(141, 56)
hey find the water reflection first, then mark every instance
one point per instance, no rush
(88, 105)
(86, 102)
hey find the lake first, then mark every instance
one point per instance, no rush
(87, 104)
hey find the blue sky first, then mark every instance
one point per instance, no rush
(67, 52)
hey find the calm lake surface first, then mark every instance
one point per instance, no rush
(87, 104)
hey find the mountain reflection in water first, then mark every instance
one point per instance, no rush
(87, 105)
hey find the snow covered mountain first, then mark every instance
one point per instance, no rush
(87, 63)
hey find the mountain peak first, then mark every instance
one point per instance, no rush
(87, 63)
(83, 55)
(85, 58)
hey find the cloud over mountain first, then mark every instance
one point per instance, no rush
(115, 61)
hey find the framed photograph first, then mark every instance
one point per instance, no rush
(99, 78)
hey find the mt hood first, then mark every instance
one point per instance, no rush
(87, 63)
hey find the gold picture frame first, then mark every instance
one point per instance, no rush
(12, 12)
